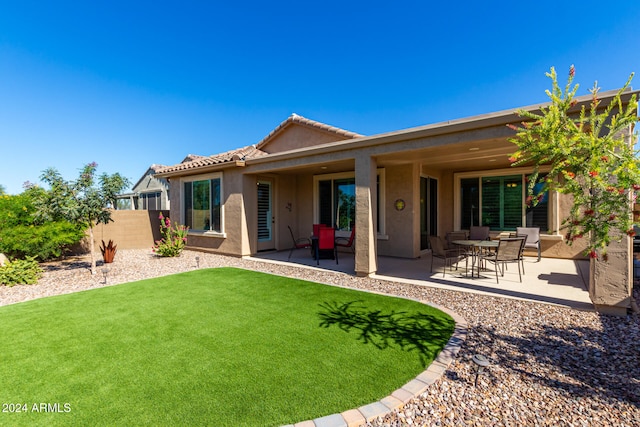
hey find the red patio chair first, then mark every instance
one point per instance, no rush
(317, 227)
(326, 242)
(344, 242)
(299, 243)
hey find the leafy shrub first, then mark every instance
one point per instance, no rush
(22, 236)
(15, 210)
(44, 242)
(174, 238)
(20, 272)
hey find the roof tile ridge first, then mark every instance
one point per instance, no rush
(325, 126)
(297, 118)
(244, 149)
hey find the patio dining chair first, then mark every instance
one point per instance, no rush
(317, 227)
(533, 238)
(509, 250)
(455, 235)
(522, 236)
(326, 242)
(449, 256)
(345, 242)
(299, 243)
(479, 233)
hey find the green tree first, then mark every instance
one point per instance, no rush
(80, 202)
(112, 185)
(590, 153)
(22, 236)
(2, 190)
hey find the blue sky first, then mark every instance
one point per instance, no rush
(129, 84)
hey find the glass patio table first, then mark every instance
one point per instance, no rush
(474, 248)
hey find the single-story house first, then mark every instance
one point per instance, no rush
(149, 192)
(396, 188)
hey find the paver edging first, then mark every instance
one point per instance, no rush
(415, 387)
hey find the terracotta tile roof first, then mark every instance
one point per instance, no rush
(194, 161)
(295, 118)
(191, 157)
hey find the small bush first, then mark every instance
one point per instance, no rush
(174, 239)
(44, 242)
(20, 272)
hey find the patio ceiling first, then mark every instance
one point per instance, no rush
(465, 156)
(474, 155)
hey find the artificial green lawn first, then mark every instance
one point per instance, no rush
(224, 347)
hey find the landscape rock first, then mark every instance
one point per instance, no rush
(549, 365)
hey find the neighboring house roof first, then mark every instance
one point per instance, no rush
(194, 162)
(297, 119)
(152, 170)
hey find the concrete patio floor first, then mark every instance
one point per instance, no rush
(552, 281)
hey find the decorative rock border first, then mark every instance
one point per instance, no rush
(362, 415)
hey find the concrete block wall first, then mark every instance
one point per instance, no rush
(130, 229)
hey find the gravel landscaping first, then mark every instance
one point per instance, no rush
(549, 365)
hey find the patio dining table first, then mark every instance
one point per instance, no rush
(476, 246)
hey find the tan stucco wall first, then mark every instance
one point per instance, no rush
(235, 242)
(402, 227)
(298, 137)
(611, 281)
(175, 193)
(445, 200)
(130, 229)
(237, 187)
(293, 208)
(304, 209)
(365, 261)
(283, 197)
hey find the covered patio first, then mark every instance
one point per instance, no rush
(552, 281)
(394, 190)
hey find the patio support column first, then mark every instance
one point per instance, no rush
(366, 261)
(611, 281)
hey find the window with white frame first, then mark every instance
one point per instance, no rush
(500, 202)
(202, 207)
(335, 200)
